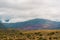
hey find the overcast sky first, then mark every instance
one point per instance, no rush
(22, 10)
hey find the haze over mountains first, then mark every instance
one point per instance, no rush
(34, 24)
(21, 10)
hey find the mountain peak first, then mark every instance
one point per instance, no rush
(34, 24)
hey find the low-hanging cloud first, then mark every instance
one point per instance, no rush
(29, 9)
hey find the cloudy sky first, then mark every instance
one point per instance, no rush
(22, 10)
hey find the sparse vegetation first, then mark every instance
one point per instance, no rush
(30, 35)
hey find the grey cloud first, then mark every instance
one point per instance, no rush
(27, 9)
(15, 5)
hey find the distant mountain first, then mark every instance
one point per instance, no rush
(2, 26)
(34, 24)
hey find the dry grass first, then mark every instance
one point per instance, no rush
(30, 35)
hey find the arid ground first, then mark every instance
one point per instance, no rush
(30, 35)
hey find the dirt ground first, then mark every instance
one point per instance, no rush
(30, 35)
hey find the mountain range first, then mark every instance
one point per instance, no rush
(34, 24)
